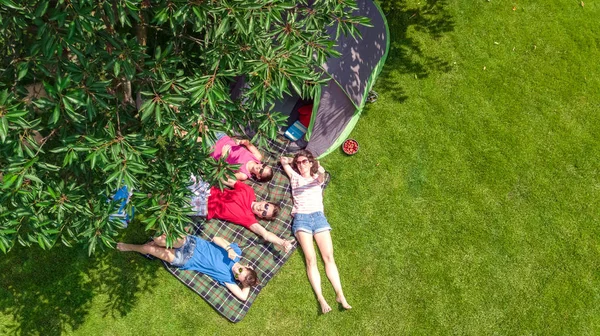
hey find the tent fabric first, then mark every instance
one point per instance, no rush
(335, 111)
(263, 256)
(353, 73)
(359, 56)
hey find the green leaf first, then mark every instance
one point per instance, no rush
(9, 180)
(60, 149)
(147, 109)
(71, 31)
(33, 178)
(48, 166)
(113, 176)
(17, 114)
(55, 115)
(3, 96)
(92, 245)
(92, 158)
(3, 128)
(158, 114)
(68, 105)
(22, 68)
(117, 68)
(63, 82)
(222, 27)
(157, 53)
(129, 70)
(10, 4)
(41, 8)
(41, 242)
(19, 181)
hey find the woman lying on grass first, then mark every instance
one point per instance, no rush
(217, 259)
(306, 178)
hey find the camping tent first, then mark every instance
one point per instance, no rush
(339, 103)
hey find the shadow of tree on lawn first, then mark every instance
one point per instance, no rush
(51, 292)
(406, 54)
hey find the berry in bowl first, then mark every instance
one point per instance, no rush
(350, 146)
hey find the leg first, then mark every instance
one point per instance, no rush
(326, 247)
(271, 237)
(306, 241)
(162, 242)
(162, 253)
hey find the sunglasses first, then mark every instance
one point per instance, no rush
(301, 162)
(264, 213)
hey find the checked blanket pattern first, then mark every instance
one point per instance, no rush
(256, 252)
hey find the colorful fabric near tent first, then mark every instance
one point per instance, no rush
(304, 114)
(263, 256)
(122, 215)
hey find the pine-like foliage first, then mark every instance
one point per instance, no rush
(99, 94)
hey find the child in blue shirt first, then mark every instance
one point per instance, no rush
(217, 259)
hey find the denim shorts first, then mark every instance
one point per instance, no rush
(185, 252)
(311, 223)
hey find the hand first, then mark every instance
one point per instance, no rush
(286, 160)
(231, 254)
(320, 168)
(225, 150)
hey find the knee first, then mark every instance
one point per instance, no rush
(311, 261)
(328, 259)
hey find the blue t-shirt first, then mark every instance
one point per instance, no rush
(213, 261)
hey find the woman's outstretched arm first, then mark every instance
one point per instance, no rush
(320, 172)
(286, 164)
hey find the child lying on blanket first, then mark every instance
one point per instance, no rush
(237, 205)
(244, 153)
(217, 259)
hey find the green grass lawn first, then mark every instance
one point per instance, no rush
(472, 206)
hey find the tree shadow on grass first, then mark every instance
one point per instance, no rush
(51, 292)
(406, 54)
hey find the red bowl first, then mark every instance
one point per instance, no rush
(350, 146)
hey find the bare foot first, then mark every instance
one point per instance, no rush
(343, 302)
(324, 307)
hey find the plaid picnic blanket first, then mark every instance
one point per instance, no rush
(256, 252)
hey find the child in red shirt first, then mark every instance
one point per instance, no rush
(237, 205)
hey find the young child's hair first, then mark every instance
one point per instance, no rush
(276, 209)
(251, 279)
(266, 176)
